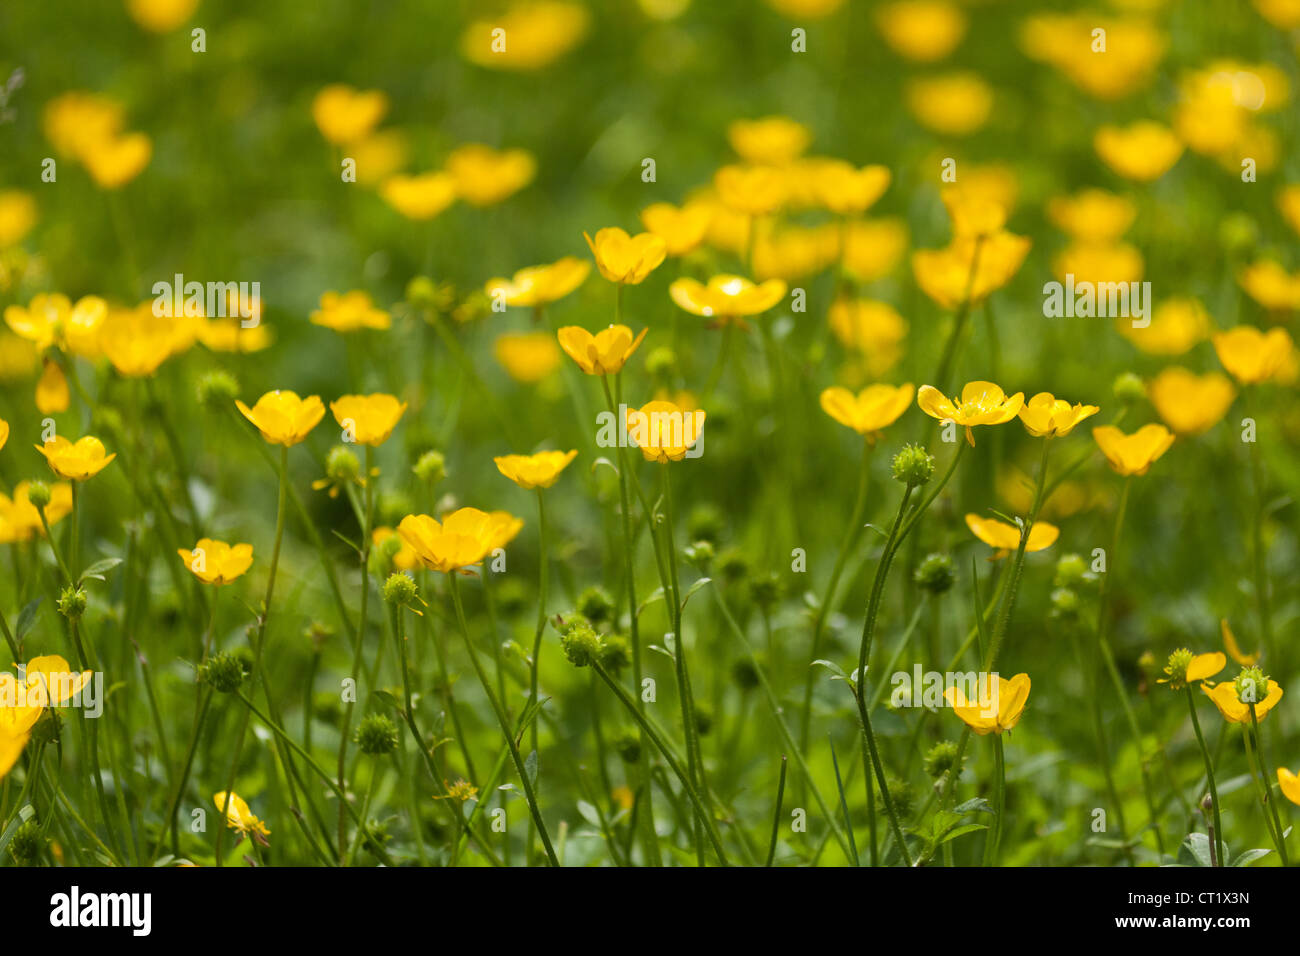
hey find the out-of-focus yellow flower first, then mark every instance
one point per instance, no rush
(955, 104)
(1099, 262)
(541, 285)
(77, 122)
(751, 190)
(420, 197)
(1133, 49)
(217, 562)
(969, 268)
(624, 258)
(1143, 151)
(345, 115)
(1046, 416)
(1004, 538)
(485, 176)
(973, 212)
(866, 325)
(921, 30)
(793, 252)
(229, 335)
(17, 216)
(870, 411)
(1092, 215)
(848, 191)
(379, 155)
(1250, 684)
(604, 353)
(349, 312)
(1270, 285)
(161, 16)
(404, 558)
(726, 298)
(872, 247)
(1132, 454)
(115, 162)
(240, 819)
(1190, 403)
(502, 528)
(282, 417)
(137, 342)
(1233, 648)
(681, 228)
(981, 403)
(461, 539)
(1251, 355)
(664, 431)
(1177, 324)
(52, 395)
(805, 9)
(1288, 782)
(19, 519)
(52, 320)
(371, 418)
(535, 471)
(76, 461)
(1283, 14)
(528, 357)
(998, 707)
(768, 141)
(528, 36)
(1288, 203)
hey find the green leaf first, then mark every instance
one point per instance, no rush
(389, 699)
(977, 804)
(606, 462)
(530, 768)
(99, 569)
(1195, 850)
(832, 667)
(26, 618)
(1247, 857)
(589, 813)
(25, 814)
(956, 832)
(692, 589)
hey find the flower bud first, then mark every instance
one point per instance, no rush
(376, 735)
(217, 390)
(913, 466)
(614, 653)
(38, 493)
(1070, 570)
(341, 464)
(1251, 685)
(581, 645)
(431, 467)
(400, 590)
(222, 672)
(705, 524)
(28, 843)
(72, 603)
(1129, 388)
(940, 758)
(661, 362)
(935, 573)
(595, 605)
(627, 744)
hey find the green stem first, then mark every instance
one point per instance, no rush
(1209, 776)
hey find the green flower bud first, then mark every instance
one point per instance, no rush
(627, 744)
(614, 653)
(935, 573)
(581, 645)
(317, 633)
(733, 565)
(512, 596)
(1251, 685)
(217, 390)
(1238, 232)
(27, 843)
(376, 735)
(422, 292)
(765, 590)
(902, 793)
(400, 590)
(940, 758)
(1065, 603)
(913, 466)
(341, 464)
(38, 493)
(703, 719)
(1129, 388)
(744, 674)
(661, 362)
(223, 672)
(431, 467)
(393, 507)
(595, 605)
(49, 727)
(705, 523)
(1070, 570)
(700, 554)
(72, 603)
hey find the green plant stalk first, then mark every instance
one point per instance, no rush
(1266, 790)
(994, 839)
(534, 663)
(201, 713)
(776, 814)
(1209, 776)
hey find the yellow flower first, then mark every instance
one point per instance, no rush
(1227, 696)
(998, 707)
(970, 268)
(502, 528)
(1253, 356)
(461, 539)
(345, 115)
(528, 357)
(404, 559)
(1046, 416)
(19, 519)
(981, 403)
(1143, 152)
(1132, 454)
(76, 122)
(528, 36)
(1190, 403)
(604, 353)
(11, 748)
(137, 342)
(1177, 324)
(1287, 782)
(379, 155)
(371, 418)
(349, 312)
(871, 410)
(77, 461)
(1092, 215)
(1271, 286)
(540, 285)
(534, 471)
(161, 16)
(726, 297)
(664, 431)
(793, 252)
(624, 258)
(4, 432)
(229, 335)
(681, 228)
(52, 320)
(1283, 14)
(240, 819)
(875, 329)
(973, 212)
(1004, 538)
(1234, 649)
(216, 562)
(956, 104)
(17, 216)
(115, 162)
(419, 197)
(751, 190)
(282, 417)
(1288, 203)
(770, 140)
(848, 191)
(47, 681)
(1099, 262)
(52, 395)
(1185, 668)
(1133, 50)
(485, 176)
(921, 30)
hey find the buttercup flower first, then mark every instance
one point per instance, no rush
(981, 403)
(52, 393)
(282, 417)
(1185, 668)
(535, 471)
(20, 520)
(871, 247)
(1287, 782)
(77, 122)
(136, 341)
(527, 356)
(1132, 454)
(403, 555)
(921, 30)
(240, 819)
(1177, 324)
(484, 176)
(955, 104)
(871, 410)
(77, 460)
(54, 321)
(999, 706)
(1271, 286)
(664, 431)
(115, 162)
(751, 190)
(1004, 538)
(419, 197)
(771, 140)
(1092, 215)
(1142, 152)
(604, 353)
(1233, 698)
(344, 115)
(349, 312)
(874, 329)
(541, 285)
(682, 228)
(1190, 403)
(461, 539)
(726, 297)
(216, 562)
(1253, 356)
(161, 16)
(371, 418)
(624, 258)
(533, 35)
(970, 267)
(1234, 649)
(1046, 416)
(17, 216)
(848, 191)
